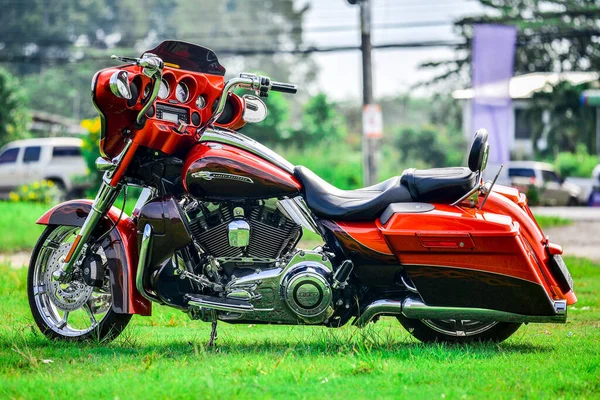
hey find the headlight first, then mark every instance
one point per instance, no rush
(119, 85)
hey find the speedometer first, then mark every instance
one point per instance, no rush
(182, 92)
(163, 91)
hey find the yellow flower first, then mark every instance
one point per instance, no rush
(13, 196)
(36, 185)
(44, 182)
(50, 183)
(31, 195)
(25, 188)
(96, 125)
(87, 124)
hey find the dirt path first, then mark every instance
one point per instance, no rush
(580, 239)
(16, 260)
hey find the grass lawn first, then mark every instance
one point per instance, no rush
(547, 221)
(19, 231)
(164, 356)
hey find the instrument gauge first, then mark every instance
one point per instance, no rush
(146, 92)
(163, 91)
(200, 102)
(182, 92)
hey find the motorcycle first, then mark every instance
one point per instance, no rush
(215, 229)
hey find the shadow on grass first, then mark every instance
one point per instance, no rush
(347, 342)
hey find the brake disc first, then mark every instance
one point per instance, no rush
(65, 296)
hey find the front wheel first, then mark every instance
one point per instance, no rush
(458, 331)
(74, 310)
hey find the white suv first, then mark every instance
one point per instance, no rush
(56, 159)
(552, 189)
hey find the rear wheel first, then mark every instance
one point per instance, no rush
(458, 331)
(72, 310)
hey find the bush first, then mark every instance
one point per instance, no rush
(14, 116)
(90, 152)
(338, 164)
(433, 146)
(578, 164)
(44, 192)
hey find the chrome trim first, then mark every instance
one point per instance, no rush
(487, 190)
(296, 210)
(467, 195)
(246, 81)
(238, 233)
(378, 307)
(103, 164)
(416, 309)
(245, 143)
(145, 255)
(217, 305)
(113, 83)
(145, 195)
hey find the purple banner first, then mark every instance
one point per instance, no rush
(493, 59)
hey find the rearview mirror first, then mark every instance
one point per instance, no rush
(255, 110)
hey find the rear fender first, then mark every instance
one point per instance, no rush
(122, 253)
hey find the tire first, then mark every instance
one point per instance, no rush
(43, 305)
(429, 331)
(572, 202)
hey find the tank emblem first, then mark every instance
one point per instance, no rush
(209, 176)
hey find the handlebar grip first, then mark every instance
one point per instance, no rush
(284, 87)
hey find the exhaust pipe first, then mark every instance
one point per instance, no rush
(416, 309)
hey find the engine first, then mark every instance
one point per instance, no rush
(269, 233)
(254, 245)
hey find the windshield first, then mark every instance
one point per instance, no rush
(189, 56)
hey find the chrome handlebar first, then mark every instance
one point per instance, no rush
(152, 67)
(260, 84)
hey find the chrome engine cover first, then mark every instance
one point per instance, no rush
(307, 292)
(297, 291)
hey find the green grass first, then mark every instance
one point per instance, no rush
(164, 356)
(548, 221)
(19, 231)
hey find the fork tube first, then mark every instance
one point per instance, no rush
(107, 194)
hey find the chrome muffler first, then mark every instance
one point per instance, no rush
(416, 309)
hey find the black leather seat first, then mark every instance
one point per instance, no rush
(364, 204)
(438, 185)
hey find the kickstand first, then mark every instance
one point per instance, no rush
(213, 332)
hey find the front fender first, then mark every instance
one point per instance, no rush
(120, 247)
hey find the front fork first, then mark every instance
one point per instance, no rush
(107, 194)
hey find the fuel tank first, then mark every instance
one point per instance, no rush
(217, 171)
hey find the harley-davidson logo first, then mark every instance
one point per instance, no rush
(209, 176)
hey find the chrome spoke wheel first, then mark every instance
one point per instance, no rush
(71, 309)
(459, 327)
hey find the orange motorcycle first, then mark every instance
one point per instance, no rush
(215, 229)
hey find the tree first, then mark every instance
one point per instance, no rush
(570, 124)
(274, 128)
(553, 35)
(322, 123)
(13, 109)
(431, 146)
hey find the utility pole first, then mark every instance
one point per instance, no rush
(371, 118)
